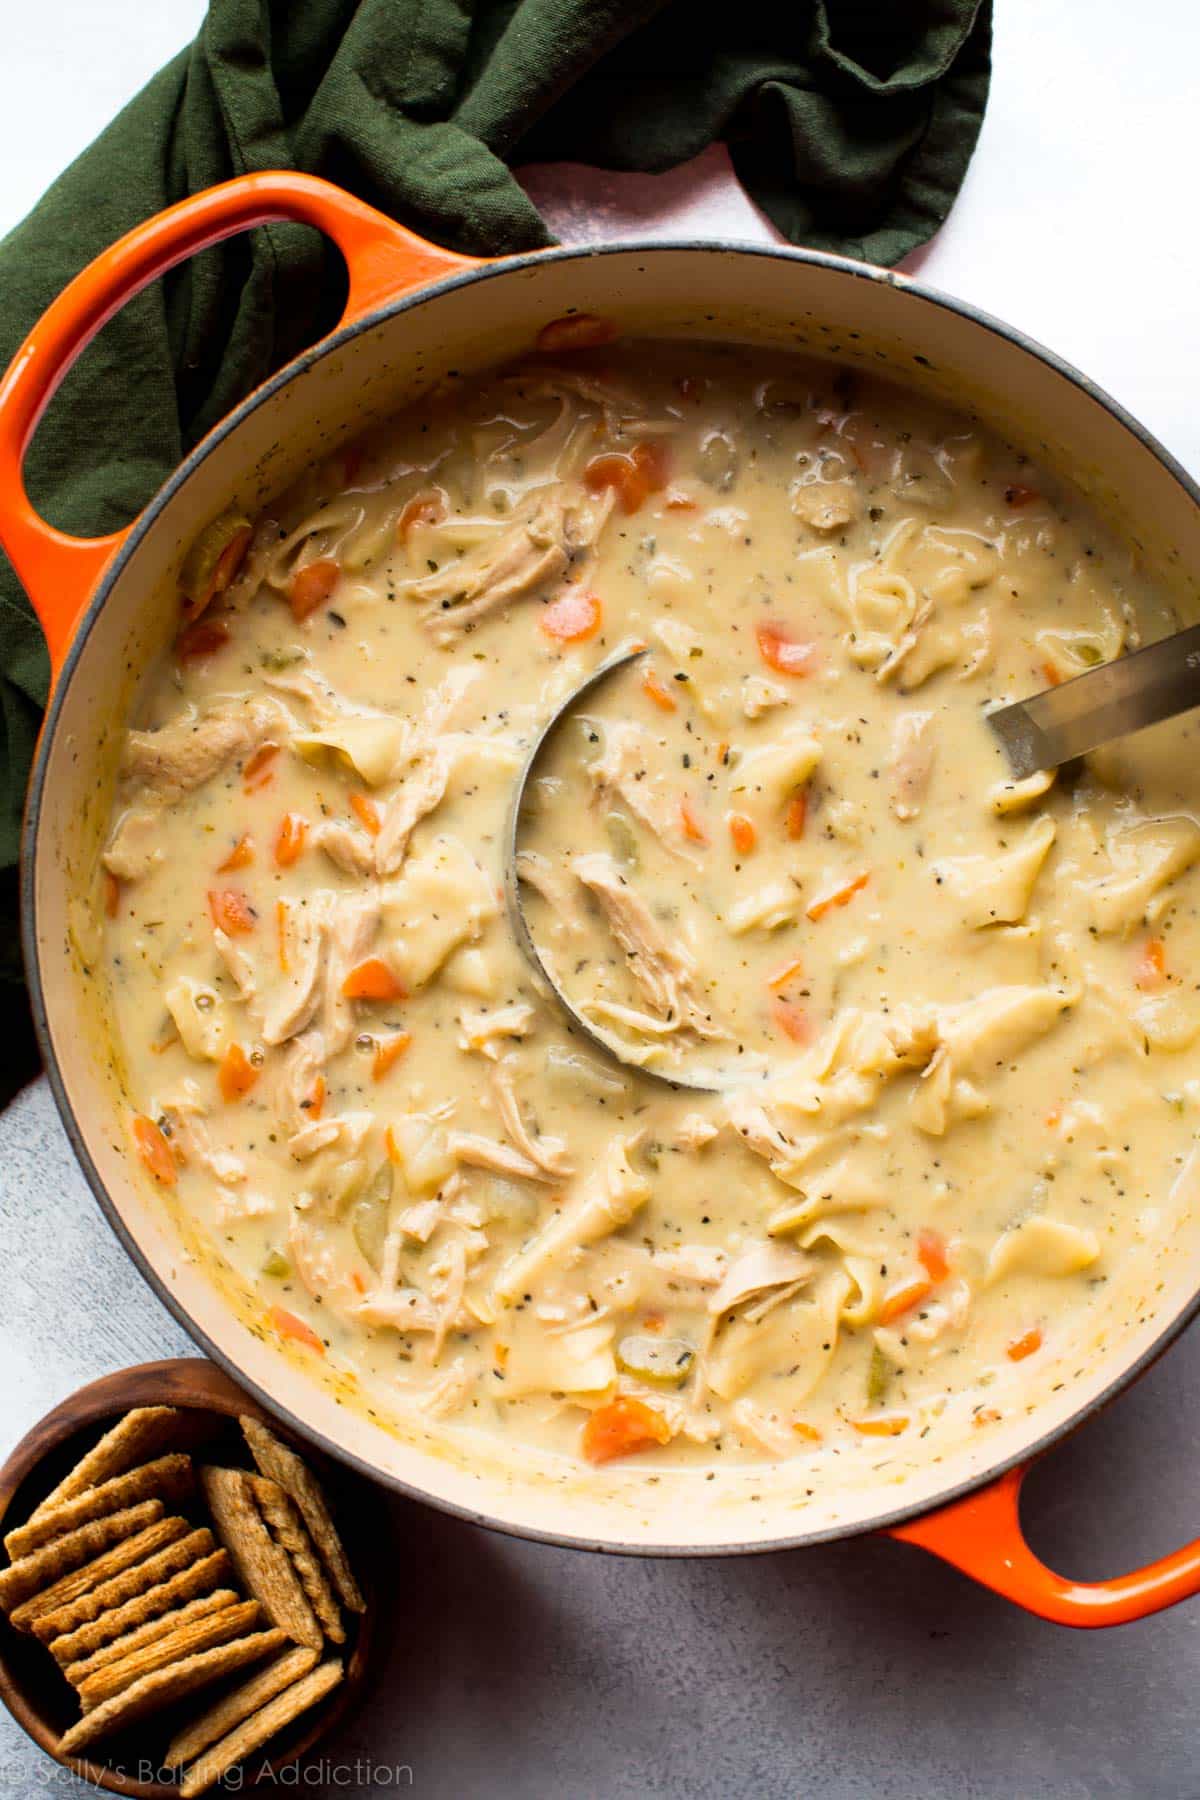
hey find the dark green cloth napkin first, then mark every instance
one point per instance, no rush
(851, 123)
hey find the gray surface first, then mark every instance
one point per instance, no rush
(861, 1669)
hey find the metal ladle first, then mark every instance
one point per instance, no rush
(611, 1046)
(1107, 702)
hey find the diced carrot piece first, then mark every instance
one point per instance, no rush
(633, 477)
(741, 830)
(240, 857)
(258, 771)
(312, 585)
(389, 1052)
(931, 1254)
(112, 894)
(422, 509)
(1025, 1345)
(797, 814)
(819, 908)
(289, 1326)
(1050, 675)
(373, 980)
(621, 1426)
(202, 639)
(236, 1074)
(781, 651)
(573, 618)
(902, 1298)
(889, 1426)
(804, 1430)
(785, 972)
(314, 1106)
(653, 1321)
(290, 840)
(281, 919)
(224, 570)
(367, 812)
(231, 911)
(655, 690)
(1017, 495)
(690, 820)
(1152, 964)
(154, 1150)
(791, 1019)
(575, 331)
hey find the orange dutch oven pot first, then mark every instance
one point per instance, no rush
(108, 608)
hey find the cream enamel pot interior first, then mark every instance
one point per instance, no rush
(415, 312)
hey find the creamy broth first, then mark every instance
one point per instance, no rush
(951, 1016)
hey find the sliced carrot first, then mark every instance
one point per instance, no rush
(1018, 495)
(803, 1430)
(1050, 675)
(575, 331)
(690, 820)
(655, 690)
(422, 509)
(281, 919)
(889, 1426)
(797, 814)
(290, 840)
(289, 1326)
(367, 812)
(154, 1150)
(224, 570)
(633, 477)
(621, 1426)
(312, 585)
(240, 857)
(931, 1254)
(1152, 964)
(785, 972)
(257, 770)
(791, 1019)
(902, 1298)
(741, 830)
(819, 908)
(653, 1321)
(573, 618)
(1025, 1345)
(112, 894)
(236, 1074)
(388, 1052)
(202, 639)
(314, 1106)
(231, 911)
(373, 980)
(783, 652)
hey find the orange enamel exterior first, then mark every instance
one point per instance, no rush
(979, 1534)
(383, 259)
(982, 1536)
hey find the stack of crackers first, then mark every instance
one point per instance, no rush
(140, 1603)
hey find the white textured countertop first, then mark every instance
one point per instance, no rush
(861, 1669)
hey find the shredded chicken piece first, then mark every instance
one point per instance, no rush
(196, 746)
(482, 1030)
(533, 556)
(760, 1270)
(912, 763)
(406, 1309)
(237, 964)
(484, 1153)
(622, 772)
(310, 1140)
(665, 972)
(347, 848)
(303, 1061)
(186, 1112)
(548, 1153)
(541, 875)
(353, 923)
(135, 846)
(305, 944)
(423, 789)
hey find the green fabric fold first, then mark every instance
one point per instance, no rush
(850, 122)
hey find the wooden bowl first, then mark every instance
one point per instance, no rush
(31, 1684)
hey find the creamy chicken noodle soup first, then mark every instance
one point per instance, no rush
(955, 1015)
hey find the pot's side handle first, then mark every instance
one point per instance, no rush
(383, 259)
(982, 1536)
